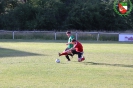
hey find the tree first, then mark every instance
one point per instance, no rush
(61, 15)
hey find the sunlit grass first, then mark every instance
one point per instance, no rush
(31, 64)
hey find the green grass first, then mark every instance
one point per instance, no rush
(31, 64)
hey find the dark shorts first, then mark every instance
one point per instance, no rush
(80, 54)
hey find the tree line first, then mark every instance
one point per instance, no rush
(85, 15)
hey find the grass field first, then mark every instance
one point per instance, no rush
(31, 64)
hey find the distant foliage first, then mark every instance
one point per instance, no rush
(85, 15)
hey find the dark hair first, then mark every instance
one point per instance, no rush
(74, 40)
(68, 32)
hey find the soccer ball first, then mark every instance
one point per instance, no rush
(57, 60)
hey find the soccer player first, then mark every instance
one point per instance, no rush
(77, 49)
(69, 44)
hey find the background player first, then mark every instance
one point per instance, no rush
(69, 44)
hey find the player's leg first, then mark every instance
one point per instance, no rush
(67, 57)
(78, 53)
(71, 54)
(83, 58)
(80, 57)
(74, 52)
(63, 53)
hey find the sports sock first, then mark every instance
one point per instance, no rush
(64, 53)
(67, 57)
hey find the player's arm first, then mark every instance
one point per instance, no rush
(68, 43)
(73, 48)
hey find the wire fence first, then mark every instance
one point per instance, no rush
(52, 35)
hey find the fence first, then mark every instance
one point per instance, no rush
(51, 35)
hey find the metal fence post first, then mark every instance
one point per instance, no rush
(76, 35)
(55, 35)
(13, 35)
(98, 37)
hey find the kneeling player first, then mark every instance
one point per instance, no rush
(77, 49)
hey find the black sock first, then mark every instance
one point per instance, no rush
(67, 57)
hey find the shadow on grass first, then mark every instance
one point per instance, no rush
(4, 52)
(118, 65)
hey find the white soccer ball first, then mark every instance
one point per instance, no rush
(57, 60)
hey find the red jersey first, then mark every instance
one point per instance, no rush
(78, 46)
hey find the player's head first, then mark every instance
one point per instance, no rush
(68, 33)
(74, 41)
